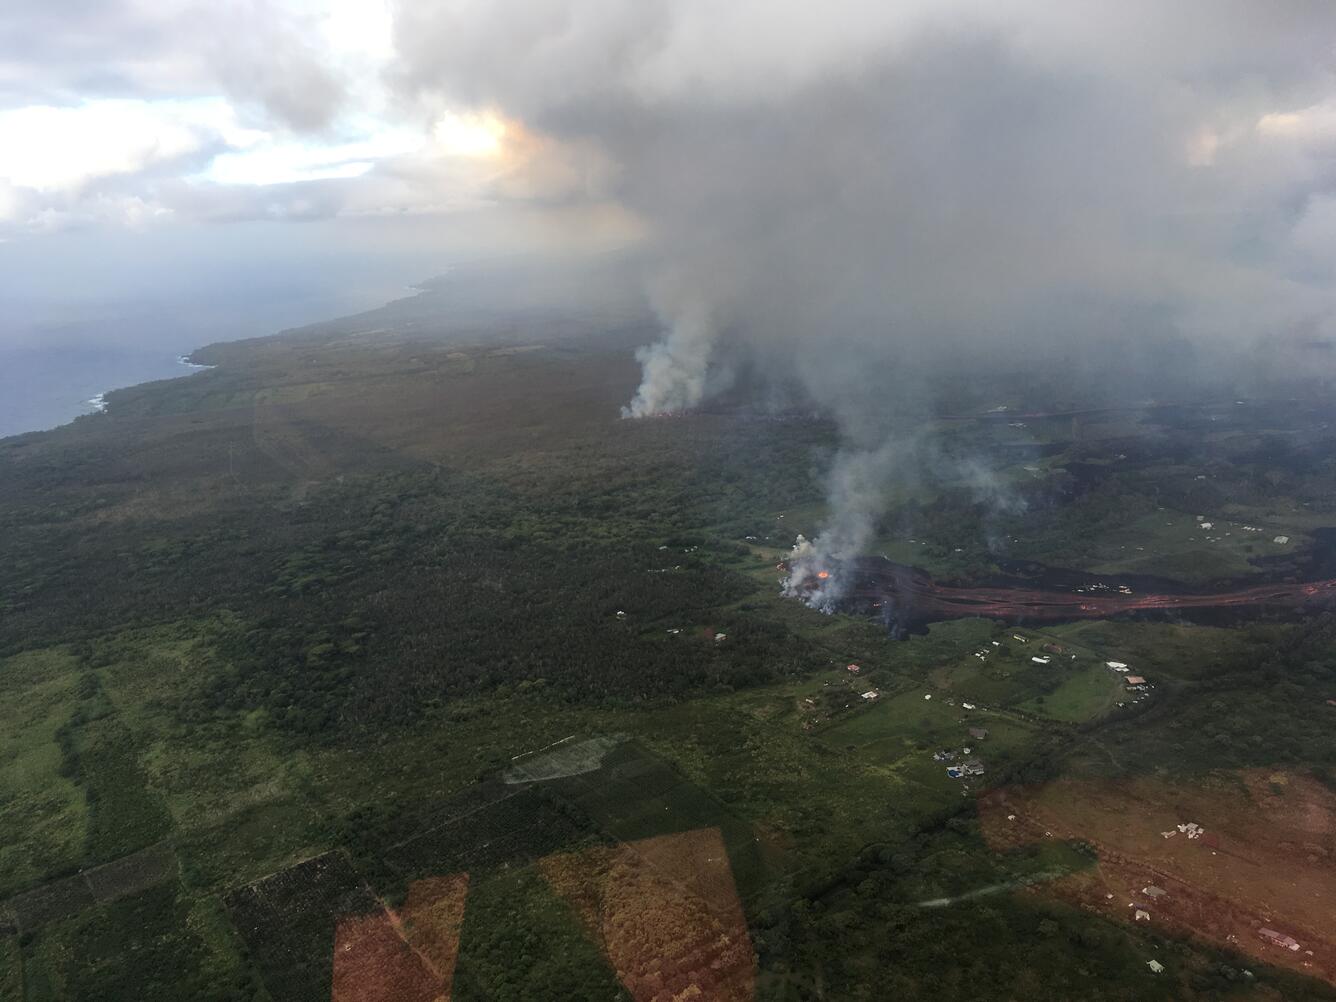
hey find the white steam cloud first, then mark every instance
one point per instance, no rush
(677, 372)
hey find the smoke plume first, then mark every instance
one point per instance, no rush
(866, 199)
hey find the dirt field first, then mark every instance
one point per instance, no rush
(373, 963)
(666, 913)
(1266, 857)
(431, 920)
(403, 956)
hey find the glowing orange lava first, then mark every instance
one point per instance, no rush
(823, 574)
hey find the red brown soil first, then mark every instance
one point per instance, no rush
(1267, 860)
(406, 955)
(666, 912)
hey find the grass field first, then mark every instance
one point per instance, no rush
(1085, 693)
(42, 811)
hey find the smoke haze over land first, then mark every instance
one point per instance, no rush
(858, 199)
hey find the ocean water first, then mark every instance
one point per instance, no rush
(44, 387)
(82, 313)
(68, 356)
(88, 311)
(59, 356)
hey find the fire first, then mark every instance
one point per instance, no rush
(823, 574)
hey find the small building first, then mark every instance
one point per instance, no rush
(1040, 661)
(1282, 540)
(871, 694)
(620, 614)
(1154, 892)
(720, 636)
(1142, 915)
(978, 733)
(853, 669)
(1134, 680)
(1155, 966)
(1279, 939)
(1116, 665)
(1018, 637)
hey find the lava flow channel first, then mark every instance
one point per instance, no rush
(916, 596)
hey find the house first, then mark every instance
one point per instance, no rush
(1279, 939)
(1017, 636)
(978, 733)
(720, 636)
(1155, 966)
(1282, 540)
(1116, 665)
(1154, 892)
(871, 694)
(1052, 648)
(620, 614)
(1142, 915)
(1041, 661)
(1134, 680)
(853, 669)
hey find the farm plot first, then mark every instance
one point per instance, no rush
(409, 954)
(636, 796)
(104, 883)
(288, 921)
(1244, 860)
(666, 913)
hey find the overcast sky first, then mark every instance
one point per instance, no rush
(859, 170)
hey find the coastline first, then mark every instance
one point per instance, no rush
(46, 388)
(98, 404)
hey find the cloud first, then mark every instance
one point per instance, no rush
(290, 63)
(50, 148)
(127, 112)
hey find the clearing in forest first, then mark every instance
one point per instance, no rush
(1263, 857)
